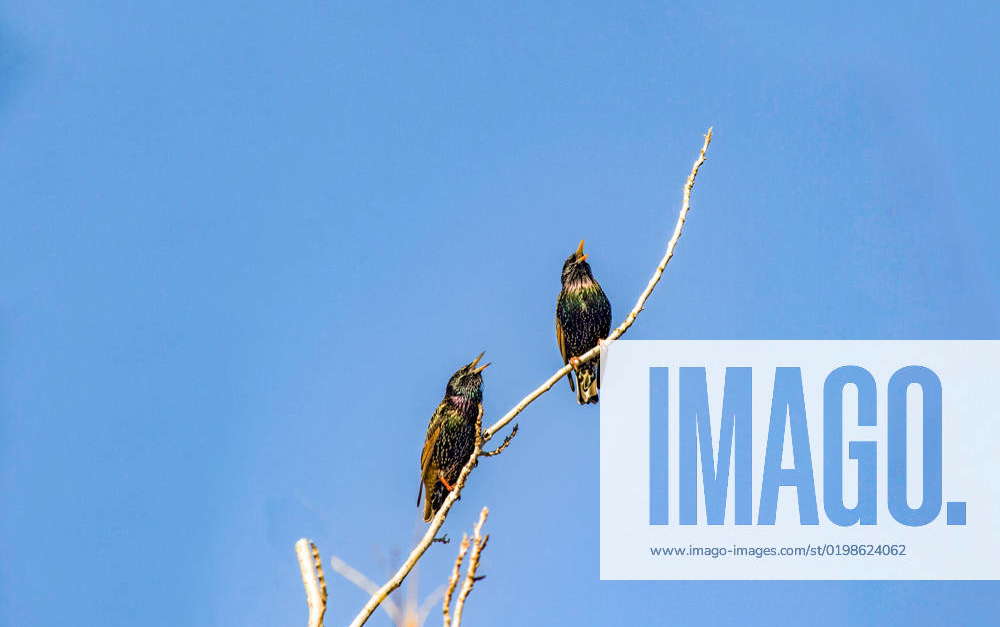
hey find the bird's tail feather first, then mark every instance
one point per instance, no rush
(434, 501)
(428, 511)
(587, 383)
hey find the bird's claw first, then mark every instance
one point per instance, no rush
(574, 362)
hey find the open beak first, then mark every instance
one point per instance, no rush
(483, 367)
(580, 257)
(475, 362)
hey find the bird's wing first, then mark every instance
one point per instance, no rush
(605, 313)
(433, 431)
(561, 341)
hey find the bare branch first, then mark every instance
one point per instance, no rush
(503, 445)
(456, 570)
(630, 318)
(311, 568)
(358, 578)
(478, 544)
(485, 436)
(429, 535)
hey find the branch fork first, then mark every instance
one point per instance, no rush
(477, 544)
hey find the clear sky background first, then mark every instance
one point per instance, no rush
(243, 245)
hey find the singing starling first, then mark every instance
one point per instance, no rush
(583, 317)
(451, 435)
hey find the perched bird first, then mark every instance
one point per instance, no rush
(583, 318)
(451, 435)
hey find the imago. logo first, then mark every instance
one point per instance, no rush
(799, 460)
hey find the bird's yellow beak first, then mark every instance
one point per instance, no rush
(483, 367)
(475, 362)
(580, 257)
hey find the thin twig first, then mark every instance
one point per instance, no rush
(456, 570)
(478, 544)
(503, 445)
(311, 568)
(359, 579)
(485, 436)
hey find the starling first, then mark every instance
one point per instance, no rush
(583, 318)
(451, 435)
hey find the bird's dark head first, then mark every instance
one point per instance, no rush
(576, 269)
(467, 382)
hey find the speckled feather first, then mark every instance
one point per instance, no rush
(583, 316)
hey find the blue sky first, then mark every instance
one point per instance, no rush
(243, 245)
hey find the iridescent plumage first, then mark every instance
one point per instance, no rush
(451, 436)
(583, 316)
